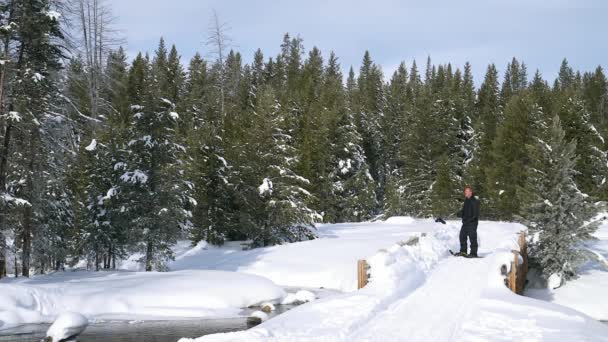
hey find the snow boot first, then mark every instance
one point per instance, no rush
(462, 254)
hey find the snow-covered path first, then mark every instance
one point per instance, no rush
(447, 297)
(421, 293)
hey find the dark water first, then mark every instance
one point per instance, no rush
(152, 330)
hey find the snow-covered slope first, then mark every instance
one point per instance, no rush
(419, 293)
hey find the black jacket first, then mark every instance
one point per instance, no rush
(470, 212)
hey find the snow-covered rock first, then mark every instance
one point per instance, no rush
(67, 326)
(268, 307)
(302, 296)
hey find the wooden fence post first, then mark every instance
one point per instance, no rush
(362, 268)
(513, 273)
(516, 279)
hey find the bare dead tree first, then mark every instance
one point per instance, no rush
(219, 41)
(94, 36)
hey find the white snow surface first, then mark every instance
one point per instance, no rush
(132, 295)
(68, 324)
(301, 296)
(329, 261)
(420, 293)
(588, 293)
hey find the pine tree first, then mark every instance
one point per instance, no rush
(557, 212)
(29, 88)
(153, 190)
(352, 186)
(591, 164)
(369, 110)
(444, 191)
(285, 215)
(488, 117)
(522, 117)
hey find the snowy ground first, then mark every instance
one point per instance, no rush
(589, 293)
(420, 293)
(417, 293)
(328, 262)
(205, 281)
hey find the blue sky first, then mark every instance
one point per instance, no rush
(540, 33)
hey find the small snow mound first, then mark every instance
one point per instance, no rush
(259, 314)
(555, 281)
(299, 297)
(67, 325)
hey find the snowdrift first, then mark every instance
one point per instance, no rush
(127, 295)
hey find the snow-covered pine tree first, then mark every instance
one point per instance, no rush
(488, 117)
(211, 172)
(436, 131)
(31, 53)
(369, 108)
(591, 164)
(397, 113)
(507, 175)
(558, 214)
(332, 105)
(154, 191)
(352, 186)
(285, 216)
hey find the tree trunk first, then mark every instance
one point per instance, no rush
(3, 207)
(149, 254)
(27, 241)
(2, 252)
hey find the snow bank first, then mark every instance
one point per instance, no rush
(329, 261)
(419, 293)
(129, 295)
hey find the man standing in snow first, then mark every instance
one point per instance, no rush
(470, 219)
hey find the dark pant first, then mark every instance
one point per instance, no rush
(471, 233)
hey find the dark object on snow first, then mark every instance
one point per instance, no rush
(440, 220)
(458, 254)
(252, 321)
(470, 220)
(503, 270)
(473, 256)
